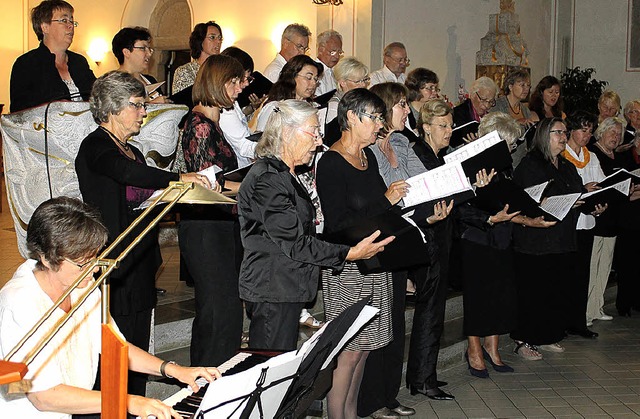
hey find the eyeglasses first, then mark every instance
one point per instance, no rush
(374, 118)
(299, 47)
(316, 135)
(445, 126)
(66, 22)
(309, 77)
(402, 103)
(405, 60)
(144, 48)
(81, 266)
(335, 52)
(490, 102)
(213, 37)
(560, 132)
(138, 105)
(365, 80)
(431, 88)
(249, 79)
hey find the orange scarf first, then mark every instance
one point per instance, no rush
(577, 163)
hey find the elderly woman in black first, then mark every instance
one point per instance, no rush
(488, 272)
(544, 257)
(282, 256)
(350, 188)
(114, 178)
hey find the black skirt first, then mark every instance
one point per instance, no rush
(489, 292)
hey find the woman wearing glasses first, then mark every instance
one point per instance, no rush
(209, 235)
(517, 86)
(351, 188)
(298, 80)
(544, 257)
(282, 256)
(114, 177)
(132, 48)
(50, 72)
(205, 41)
(63, 238)
(422, 85)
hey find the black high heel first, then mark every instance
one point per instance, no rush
(499, 368)
(476, 372)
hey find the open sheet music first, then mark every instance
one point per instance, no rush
(474, 148)
(559, 206)
(535, 191)
(441, 182)
(617, 192)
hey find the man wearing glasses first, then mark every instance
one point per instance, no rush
(294, 41)
(467, 115)
(329, 53)
(394, 58)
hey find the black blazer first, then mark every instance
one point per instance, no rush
(282, 256)
(35, 79)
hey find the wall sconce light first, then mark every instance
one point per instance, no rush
(331, 2)
(97, 50)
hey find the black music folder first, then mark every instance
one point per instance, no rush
(238, 174)
(611, 194)
(408, 248)
(497, 157)
(618, 177)
(502, 191)
(323, 100)
(260, 86)
(461, 132)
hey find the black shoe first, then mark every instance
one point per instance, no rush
(441, 383)
(585, 333)
(499, 368)
(437, 394)
(416, 390)
(476, 372)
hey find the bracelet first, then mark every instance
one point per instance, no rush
(163, 366)
(491, 223)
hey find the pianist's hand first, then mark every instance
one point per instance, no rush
(188, 375)
(144, 407)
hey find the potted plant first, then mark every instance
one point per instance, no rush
(580, 91)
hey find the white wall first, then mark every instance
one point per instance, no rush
(600, 42)
(445, 35)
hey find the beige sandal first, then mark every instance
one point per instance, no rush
(527, 351)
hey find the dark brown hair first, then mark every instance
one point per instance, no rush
(43, 13)
(209, 87)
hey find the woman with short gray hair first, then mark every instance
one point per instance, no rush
(114, 177)
(282, 256)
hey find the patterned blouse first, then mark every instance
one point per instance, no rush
(184, 76)
(204, 145)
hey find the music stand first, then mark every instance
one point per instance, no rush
(292, 383)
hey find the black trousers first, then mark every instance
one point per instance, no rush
(273, 325)
(383, 370)
(212, 250)
(578, 284)
(428, 324)
(628, 271)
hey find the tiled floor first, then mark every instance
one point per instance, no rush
(592, 379)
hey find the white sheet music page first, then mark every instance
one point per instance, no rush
(437, 183)
(622, 187)
(535, 191)
(473, 148)
(559, 205)
(243, 383)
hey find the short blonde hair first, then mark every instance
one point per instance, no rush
(609, 95)
(349, 68)
(432, 109)
(508, 129)
(628, 107)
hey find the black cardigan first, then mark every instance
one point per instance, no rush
(35, 79)
(103, 174)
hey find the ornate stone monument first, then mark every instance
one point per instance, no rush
(503, 47)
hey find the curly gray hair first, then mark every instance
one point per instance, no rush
(111, 93)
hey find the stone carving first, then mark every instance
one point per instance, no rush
(68, 123)
(503, 44)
